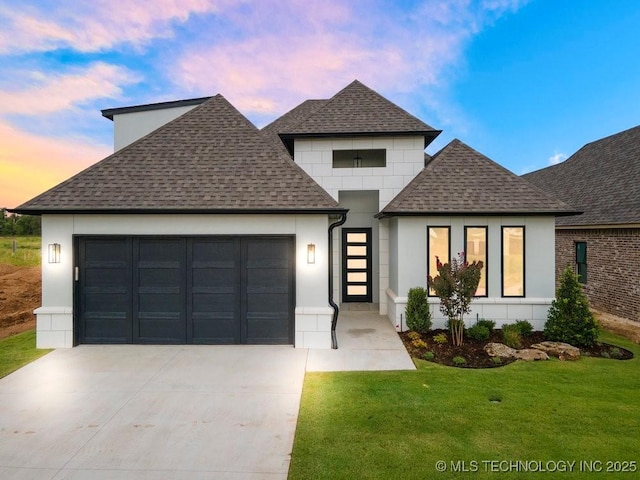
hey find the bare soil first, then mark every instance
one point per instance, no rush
(20, 295)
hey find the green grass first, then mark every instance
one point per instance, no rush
(399, 424)
(27, 252)
(17, 351)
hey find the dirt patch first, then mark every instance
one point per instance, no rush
(20, 295)
(621, 326)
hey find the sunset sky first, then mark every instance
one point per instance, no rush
(527, 83)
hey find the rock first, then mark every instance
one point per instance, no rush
(563, 351)
(499, 350)
(531, 354)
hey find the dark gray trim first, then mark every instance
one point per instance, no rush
(468, 213)
(110, 112)
(429, 136)
(151, 211)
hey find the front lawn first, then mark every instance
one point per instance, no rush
(17, 351)
(495, 423)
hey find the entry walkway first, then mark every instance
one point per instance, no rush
(366, 341)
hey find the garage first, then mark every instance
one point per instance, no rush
(177, 290)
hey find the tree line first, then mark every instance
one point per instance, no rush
(13, 224)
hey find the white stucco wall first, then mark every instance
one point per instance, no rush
(410, 238)
(129, 127)
(405, 159)
(312, 313)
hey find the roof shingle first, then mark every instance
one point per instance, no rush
(460, 180)
(211, 159)
(602, 179)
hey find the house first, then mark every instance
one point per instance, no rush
(602, 245)
(200, 228)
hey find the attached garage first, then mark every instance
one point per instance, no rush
(176, 290)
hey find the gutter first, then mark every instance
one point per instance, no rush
(336, 310)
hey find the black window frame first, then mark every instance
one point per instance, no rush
(581, 263)
(485, 268)
(524, 261)
(361, 154)
(448, 259)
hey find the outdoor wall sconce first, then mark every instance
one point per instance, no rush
(54, 253)
(311, 253)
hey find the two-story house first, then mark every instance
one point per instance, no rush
(200, 228)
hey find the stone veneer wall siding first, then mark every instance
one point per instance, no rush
(613, 267)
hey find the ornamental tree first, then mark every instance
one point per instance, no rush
(456, 284)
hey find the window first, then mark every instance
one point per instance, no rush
(475, 241)
(439, 245)
(360, 158)
(513, 261)
(581, 261)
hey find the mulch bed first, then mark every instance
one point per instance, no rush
(475, 357)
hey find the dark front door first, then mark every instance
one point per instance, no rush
(204, 290)
(356, 265)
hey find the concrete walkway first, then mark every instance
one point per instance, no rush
(172, 412)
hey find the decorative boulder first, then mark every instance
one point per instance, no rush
(499, 350)
(563, 351)
(531, 354)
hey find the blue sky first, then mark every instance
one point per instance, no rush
(526, 83)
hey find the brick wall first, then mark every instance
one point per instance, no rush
(613, 267)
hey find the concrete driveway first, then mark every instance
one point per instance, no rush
(152, 412)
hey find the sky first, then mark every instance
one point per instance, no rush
(526, 83)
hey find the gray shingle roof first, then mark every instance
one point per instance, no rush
(211, 159)
(602, 179)
(357, 110)
(460, 180)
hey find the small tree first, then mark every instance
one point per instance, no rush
(455, 284)
(417, 310)
(569, 319)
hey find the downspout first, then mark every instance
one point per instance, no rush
(334, 322)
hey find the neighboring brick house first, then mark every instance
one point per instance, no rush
(602, 179)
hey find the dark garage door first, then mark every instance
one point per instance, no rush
(209, 290)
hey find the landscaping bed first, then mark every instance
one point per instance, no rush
(472, 351)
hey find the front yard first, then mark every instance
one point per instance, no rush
(492, 423)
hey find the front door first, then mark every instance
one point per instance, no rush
(356, 265)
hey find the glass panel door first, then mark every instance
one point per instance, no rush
(356, 265)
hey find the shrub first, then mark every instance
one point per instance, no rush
(428, 355)
(490, 324)
(459, 360)
(524, 327)
(455, 284)
(570, 319)
(419, 343)
(413, 335)
(511, 335)
(417, 310)
(496, 360)
(478, 332)
(440, 338)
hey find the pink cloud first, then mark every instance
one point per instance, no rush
(95, 25)
(51, 93)
(291, 52)
(31, 164)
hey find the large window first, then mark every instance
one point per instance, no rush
(360, 158)
(513, 261)
(581, 261)
(439, 245)
(475, 241)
